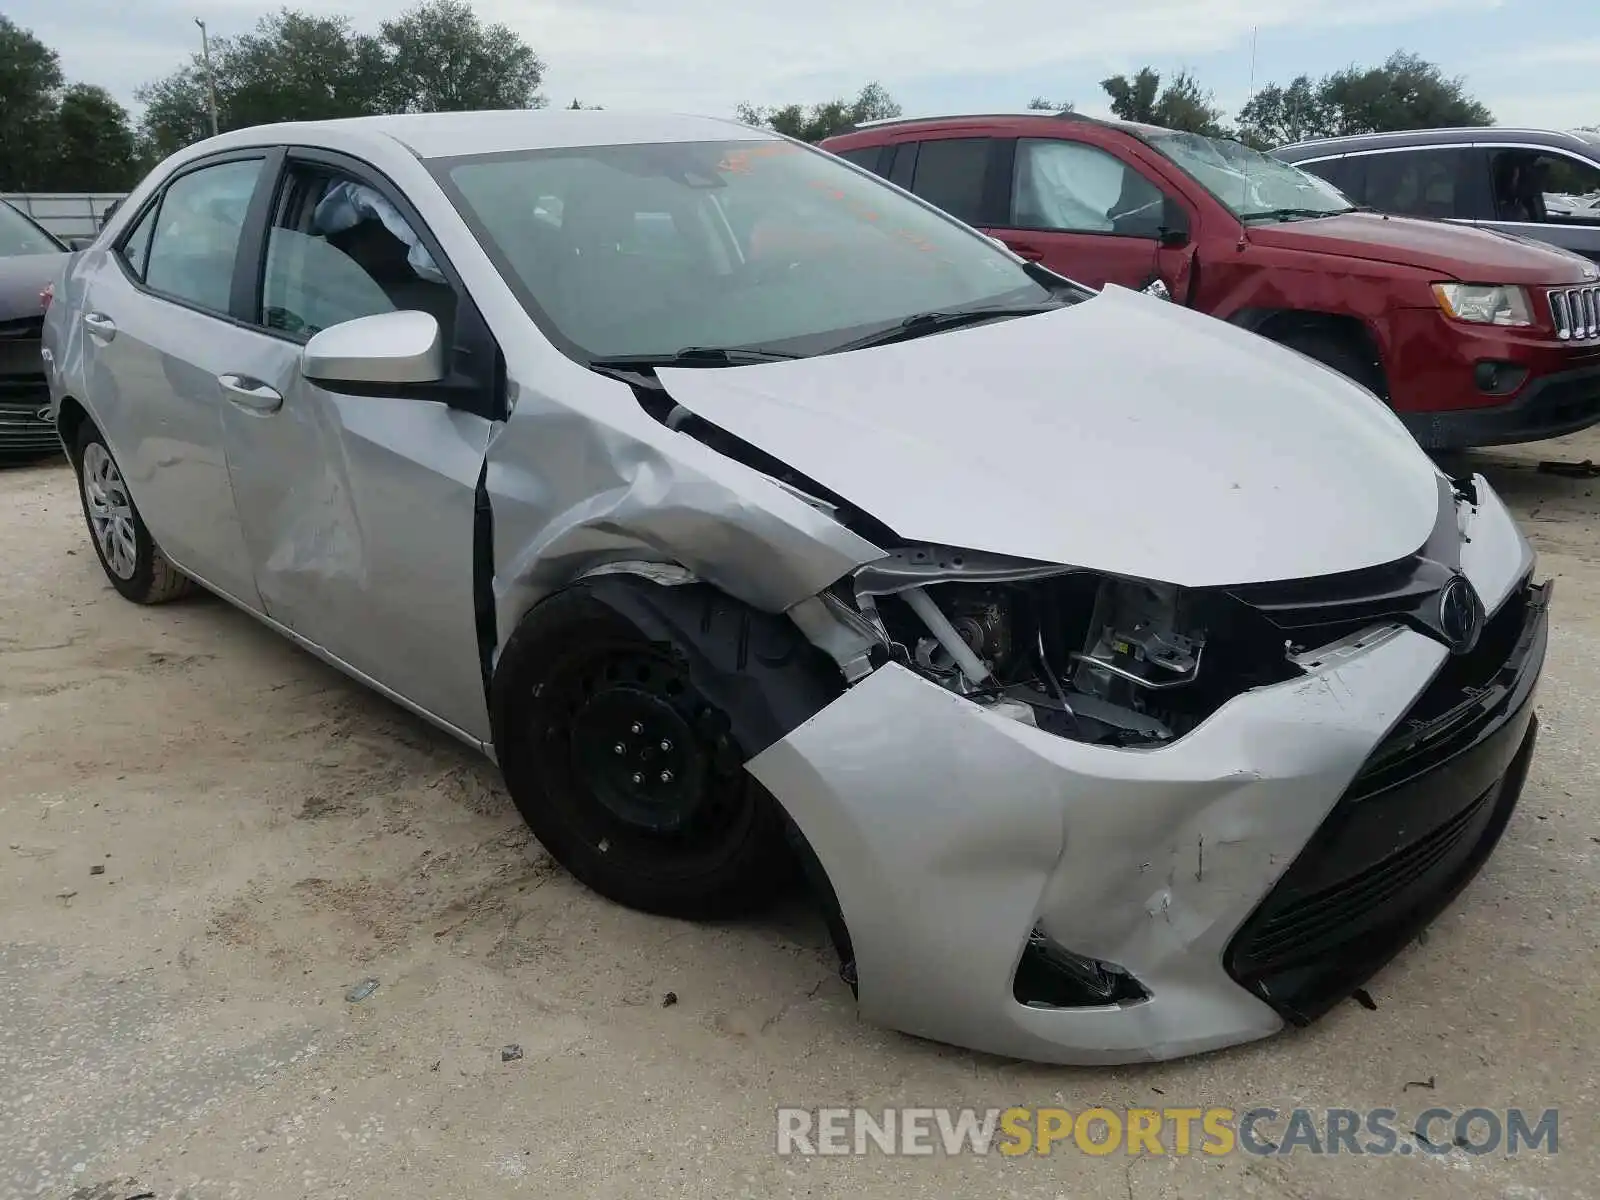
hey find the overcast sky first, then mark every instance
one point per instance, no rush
(1534, 62)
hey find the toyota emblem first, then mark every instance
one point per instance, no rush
(1460, 615)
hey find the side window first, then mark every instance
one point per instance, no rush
(1346, 174)
(950, 174)
(904, 165)
(196, 236)
(339, 250)
(1070, 187)
(866, 156)
(1439, 183)
(1544, 187)
(135, 248)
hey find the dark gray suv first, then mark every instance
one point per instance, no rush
(1537, 183)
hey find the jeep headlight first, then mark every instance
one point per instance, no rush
(1484, 303)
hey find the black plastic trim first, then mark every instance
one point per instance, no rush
(1414, 827)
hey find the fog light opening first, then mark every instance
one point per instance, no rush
(1051, 976)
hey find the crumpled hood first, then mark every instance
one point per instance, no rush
(1123, 434)
(1448, 250)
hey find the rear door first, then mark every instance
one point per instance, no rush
(159, 324)
(1088, 214)
(959, 174)
(361, 507)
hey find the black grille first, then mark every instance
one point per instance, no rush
(1410, 831)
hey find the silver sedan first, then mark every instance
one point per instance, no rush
(1123, 685)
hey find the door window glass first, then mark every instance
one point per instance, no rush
(1545, 187)
(1425, 183)
(904, 165)
(1073, 188)
(197, 233)
(866, 156)
(136, 247)
(950, 175)
(339, 250)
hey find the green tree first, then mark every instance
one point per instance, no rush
(1041, 104)
(94, 147)
(1278, 115)
(815, 122)
(441, 58)
(30, 88)
(293, 67)
(1406, 92)
(297, 66)
(1180, 105)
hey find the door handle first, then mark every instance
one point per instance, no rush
(100, 325)
(251, 393)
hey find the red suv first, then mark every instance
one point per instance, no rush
(1470, 335)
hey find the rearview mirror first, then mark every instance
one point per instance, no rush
(391, 347)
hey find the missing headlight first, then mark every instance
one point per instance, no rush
(1093, 657)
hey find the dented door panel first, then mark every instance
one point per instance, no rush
(358, 512)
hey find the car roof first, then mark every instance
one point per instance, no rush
(1319, 147)
(450, 134)
(1017, 122)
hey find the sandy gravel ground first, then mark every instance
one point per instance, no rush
(271, 834)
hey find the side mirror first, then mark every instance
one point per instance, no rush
(78, 242)
(391, 347)
(1174, 225)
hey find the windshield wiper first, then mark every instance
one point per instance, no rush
(1294, 214)
(691, 356)
(923, 323)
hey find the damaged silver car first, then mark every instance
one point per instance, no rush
(1124, 684)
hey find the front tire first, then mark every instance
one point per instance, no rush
(627, 772)
(129, 555)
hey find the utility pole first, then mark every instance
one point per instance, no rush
(211, 80)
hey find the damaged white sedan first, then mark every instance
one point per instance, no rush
(1125, 685)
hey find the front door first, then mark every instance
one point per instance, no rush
(158, 333)
(359, 509)
(1547, 195)
(1092, 217)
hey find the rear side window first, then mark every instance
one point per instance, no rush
(904, 165)
(950, 174)
(866, 156)
(1346, 174)
(1442, 184)
(197, 233)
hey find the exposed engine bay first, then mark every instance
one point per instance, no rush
(1080, 654)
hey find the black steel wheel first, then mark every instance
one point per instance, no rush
(627, 772)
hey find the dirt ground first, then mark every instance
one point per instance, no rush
(271, 834)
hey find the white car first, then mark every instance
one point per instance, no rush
(1125, 685)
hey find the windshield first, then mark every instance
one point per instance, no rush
(18, 235)
(1250, 183)
(642, 250)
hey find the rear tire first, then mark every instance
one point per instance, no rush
(128, 554)
(627, 772)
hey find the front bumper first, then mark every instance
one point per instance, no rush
(949, 834)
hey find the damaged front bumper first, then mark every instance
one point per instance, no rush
(1251, 873)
